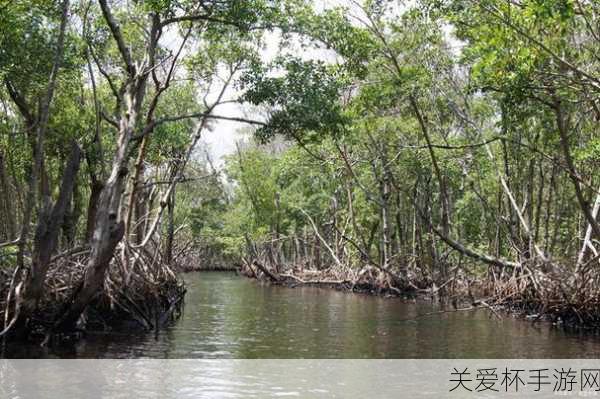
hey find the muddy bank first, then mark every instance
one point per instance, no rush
(369, 280)
(219, 267)
(576, 309)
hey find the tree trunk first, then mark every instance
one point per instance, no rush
(561, 122)
(72, 214)
(46, 240)
(170, 228)
(438, 173)
(133, 205)
(8, 221)
(96, 187)
(42, 124)
(108, 229)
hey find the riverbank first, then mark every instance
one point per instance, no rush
(231, 316)
(139, 297)
(212, 267)
(367, 281)
(526, 298)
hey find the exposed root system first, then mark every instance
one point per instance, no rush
(140, 296)
(563, 297)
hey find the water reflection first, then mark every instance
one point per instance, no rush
(231, 317)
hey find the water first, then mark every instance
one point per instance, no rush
(227, 316)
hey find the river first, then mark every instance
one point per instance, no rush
(227, 316)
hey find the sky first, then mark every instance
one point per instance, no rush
(221, 140)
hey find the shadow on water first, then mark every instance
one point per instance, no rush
(227, 316)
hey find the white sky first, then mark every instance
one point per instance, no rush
(223, 136)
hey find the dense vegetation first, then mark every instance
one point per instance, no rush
(426, 146)
(461, 152)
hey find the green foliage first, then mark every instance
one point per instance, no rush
(27, 44)
(305, 101)
(432, 102)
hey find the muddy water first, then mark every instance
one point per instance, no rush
(227, 316)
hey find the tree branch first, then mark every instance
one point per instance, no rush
(118, 36)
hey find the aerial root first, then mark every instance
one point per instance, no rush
(147, 296)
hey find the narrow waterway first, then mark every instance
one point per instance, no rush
(227, 316)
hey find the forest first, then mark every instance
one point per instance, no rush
(446, 148)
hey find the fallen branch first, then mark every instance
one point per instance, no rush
(266, 271)
(316, 282)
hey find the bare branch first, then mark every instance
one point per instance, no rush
(118, 36)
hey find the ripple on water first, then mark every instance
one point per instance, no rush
(226, 316)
